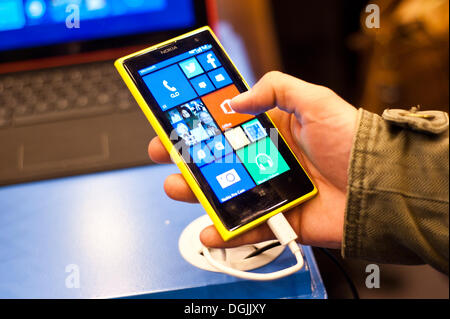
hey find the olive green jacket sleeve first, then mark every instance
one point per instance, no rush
(398, 195)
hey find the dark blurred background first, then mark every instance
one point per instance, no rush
(403, 63)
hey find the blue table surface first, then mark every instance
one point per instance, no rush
(121, 232)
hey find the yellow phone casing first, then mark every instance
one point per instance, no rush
(176, 157)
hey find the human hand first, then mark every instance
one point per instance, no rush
(319, 127)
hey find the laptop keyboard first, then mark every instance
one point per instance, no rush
(62, 93)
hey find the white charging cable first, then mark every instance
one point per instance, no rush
(285, 234)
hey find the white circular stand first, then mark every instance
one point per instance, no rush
(191, 249)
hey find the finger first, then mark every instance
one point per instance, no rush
(177, 188)
(157, 151)
(278, 89)
(210, 237)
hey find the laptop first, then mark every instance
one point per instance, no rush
(63, 108)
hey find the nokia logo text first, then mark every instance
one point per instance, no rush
(167, 50)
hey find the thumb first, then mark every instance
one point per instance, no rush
(210, 237)
(278, 89)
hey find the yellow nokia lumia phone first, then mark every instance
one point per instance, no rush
(238, 165)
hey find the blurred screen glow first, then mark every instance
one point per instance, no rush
(35, 23)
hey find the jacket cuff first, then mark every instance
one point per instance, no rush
(354, 213)
(397, 195)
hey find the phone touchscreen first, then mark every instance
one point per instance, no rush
(240, 161)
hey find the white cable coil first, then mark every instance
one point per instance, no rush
(285, 234)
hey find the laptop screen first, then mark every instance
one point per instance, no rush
(36, 23)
